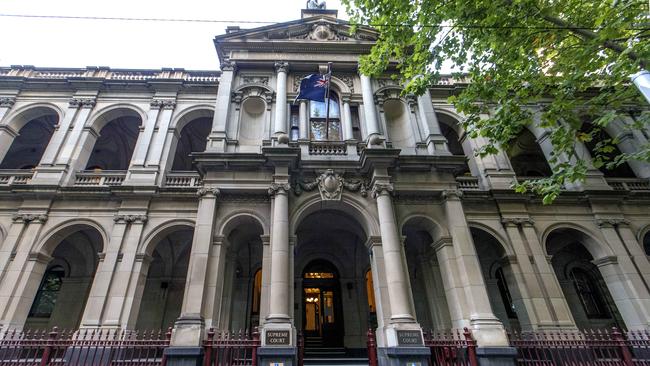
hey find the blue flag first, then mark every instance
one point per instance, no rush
(314, 87)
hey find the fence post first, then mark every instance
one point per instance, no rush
(622, 344)
(45, 359)
(168, 338)
(301, 349)
(256, 343)
(372, 348)
(471, 347)
(207, 348)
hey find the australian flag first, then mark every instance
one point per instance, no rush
(314, 87)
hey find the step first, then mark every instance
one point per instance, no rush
(338, 361)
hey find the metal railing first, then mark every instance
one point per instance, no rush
(13, 177)
(451, 347)
(183, 180)
(372, 348)
(103, 178)
(327, 148)
(594, 347)
(229, 348)
(83, 347)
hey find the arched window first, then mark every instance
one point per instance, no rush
(47, 293)
(505, 293)
(526, 157)
(588, 291)
(604, 151)
(646, 243)
(322, 128)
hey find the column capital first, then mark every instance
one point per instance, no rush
(373, 241)
(445, 241)
(610, 259)
(228, 65)
(517, 221)
(39, 257)
(128, 219)
(381, 189)
(82, 103)
(7, 102)
(281, 66)
(452, 194)
(279, 188)
(144, 258)
(169, 104)
(208, 192)
(611, 222)
(27, 218)
(156, 103)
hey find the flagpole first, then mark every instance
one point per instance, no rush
(327, 98)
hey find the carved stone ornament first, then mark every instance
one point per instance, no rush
(382, 188)
(156, 104)
(452, 194)
(27, 218)
(281, 66)
(169, 104)
(7, 102)
(82, 102)
(331, 185)
(201, 192)
(254, 79)
(516, 221)
(315, 4)
(611, 222)
(276, 188)
(248, 91)
(127, 219)
(228, 65)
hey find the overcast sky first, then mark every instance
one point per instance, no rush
(130, 44)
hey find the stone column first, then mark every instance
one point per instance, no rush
(625, 284)
(550, 286)
(280, 282)
(304, 120)
(144, 138)
(74, 137)
(347, 119)
(369, 110)
(638, 255)
(23, 273)
(7, 134)
(59, 135)
(137, 283)
(266, 278)
(188, 330)
(155, 154)
(216, 273)
(487, 329)
(217, 137)
(118, 302)
(430, 127)
(280, 122)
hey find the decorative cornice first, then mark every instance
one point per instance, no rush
(208, 191)
(255, 79)
(382, 188)
(281, 66)
(331, 185)
(612, 222)
(169, 104)
(27, 218)
(517, 221)
(7, 102)
(248, 197)
(452, 194)
(128, 219)
(279, 188)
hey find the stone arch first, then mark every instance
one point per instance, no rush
(242, 216)
(349, 203)
(187, 115)
(457, 141)
(644, 239)
(3, 234)
(526, 155)
(103, 116)
(503, 242)
(52, 237)
(342, 87)
(151, 239)
(192, 127)
(432, 227)
(596, 247)
(24, 139)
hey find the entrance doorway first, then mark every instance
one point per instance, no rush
(322, 316)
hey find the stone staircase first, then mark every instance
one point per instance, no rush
(318, 355)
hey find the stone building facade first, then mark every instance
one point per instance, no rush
(142, 199)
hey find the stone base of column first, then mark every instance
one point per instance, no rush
(141, 176)
(184, 356)
(496, 179)
(188, 331)
(276, 356)
(49, 175)
(403, 356)
(496, 356)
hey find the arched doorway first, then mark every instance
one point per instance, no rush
(27, 148)
(162, 297)
(331, 300)
(64, 287)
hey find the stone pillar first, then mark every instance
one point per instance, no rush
(487, 329)
(189, 328)
(144, 138)
(347, 119)
(369, 110)
(23, 273)
(119, 302)
(216, 273)
(304, 120)
(623, 280)
(7, 134)
(155, 154)
(74, 137)
(535, 306)
(430, 127)
(59, 135)
(266, 278)
(637, 253)
(217, 137)
(549, 284)
(280, 122)
(5, 105)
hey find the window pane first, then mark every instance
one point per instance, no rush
(319, 110)
(318, 131)
(334, 131)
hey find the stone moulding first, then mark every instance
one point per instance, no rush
(330, 186)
